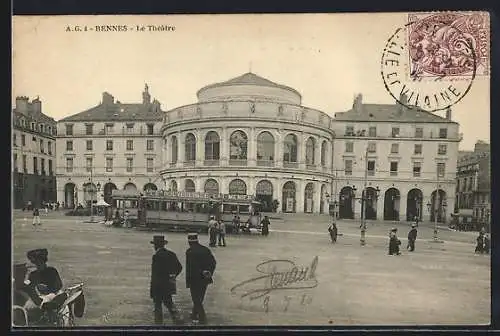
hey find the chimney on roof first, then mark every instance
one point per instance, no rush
(22, 104)
(448, 113)
(481, 147)
(357, 105)
(146, 97)
(156, 105)
(107, 99)
(403, 103)
(37, 105)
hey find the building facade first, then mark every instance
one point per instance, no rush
(110, 146)
(33, 154)
(473, 185)
(408, 155)
(249, 135)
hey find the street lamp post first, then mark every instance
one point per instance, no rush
(92, 200)
(335, 204)
(434, 208)
(363, 199)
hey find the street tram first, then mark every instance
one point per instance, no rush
(185, 211)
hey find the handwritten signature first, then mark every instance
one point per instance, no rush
(279, 274)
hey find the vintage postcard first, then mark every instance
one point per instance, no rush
(251, 170)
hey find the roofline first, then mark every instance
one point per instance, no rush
(280, 86)
(110, 120)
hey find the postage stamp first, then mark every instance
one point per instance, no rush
(449, 44)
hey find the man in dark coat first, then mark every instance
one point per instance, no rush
(200, 267)
(333, 232)
(412, 236)
(265, 226)
(394, 243)
(165, 268)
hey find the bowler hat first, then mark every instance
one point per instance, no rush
(394, 229)
(192, 237)
(159, 240)
(413, 225)
(38, 255)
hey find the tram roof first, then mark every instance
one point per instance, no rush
(183, 196)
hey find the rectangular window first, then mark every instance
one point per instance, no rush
(42, 163)
(417, 149)
(51, 171)
(69, 129)
(89, 164)
(394, 148)
(89, 145)
(372, 131)
(15, 161)
(33, 127)
(371, 167)
(417, 167)
(394, 168)
(25, 163)
(443, 133)
(41, 146)
(108, 128)
(150, 129)
(349, 130)
(109, 145)
(69, 145)
(35, 166)
(69, 165)
(349, 147)
(23, 140)
(149, 165)
(395, 132)
(348, 167)
(41, 128)
(130, 164)
(150, 145)
(49, 147)
(372, 147)
(89, 129)
(419, 132)
(14, 139)
(109, 164)
(442, 149)
(441, 169)
(129, 128)
(130, 145)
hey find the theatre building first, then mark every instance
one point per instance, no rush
(110, 146)
(405, 158)
(249, 135)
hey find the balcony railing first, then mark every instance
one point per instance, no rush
(311, 166)
(172, 164)
(265, 163)
(291, 164)
(394, 173)
(234, 162)
(371, 173)
(190, 163)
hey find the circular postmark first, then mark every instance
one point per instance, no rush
(431, 62)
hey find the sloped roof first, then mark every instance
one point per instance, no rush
(38, 117)
(118, 112)
(389, 112)
(250, 78)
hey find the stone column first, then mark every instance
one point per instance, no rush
(317, 197)
(277, 192)
(278, 149)
(252, 149)
(200, 148)
(380, 205)
(317, 153)
(299, 196)
(198, 184)
(402, 206)
(224, 146)
(182, 150)
(250, 181)
(301, 151)
(426, 213)
(224, 184)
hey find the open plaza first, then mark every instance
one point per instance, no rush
(439, 283)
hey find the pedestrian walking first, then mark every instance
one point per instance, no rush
(126, 219)
(265, 226)
(212, 231)
(165, 268)
(236, 224)
(36, 217)
(412, 237)
(332, 229)
(394, 242)
(416, 221)
(222, 233)
(483, 242)
(200, 267)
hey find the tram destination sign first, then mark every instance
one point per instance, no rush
(182, 195)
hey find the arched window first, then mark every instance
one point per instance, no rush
(290, 148)
(288, 197)
(324, 150)
(190, 147)
(212, 146)
(308, 198)
(238, 146)
(237, 187)
(265, 148)
(189, 186)
(310, 149)
(174, 149)
(211, 186)
(173, 186)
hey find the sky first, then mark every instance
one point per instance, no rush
(328, 58)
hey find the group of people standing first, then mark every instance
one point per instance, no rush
(216, 232)
(483, 242)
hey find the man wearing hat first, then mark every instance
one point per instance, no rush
(412, 236)
(200, 267)
(44, 275)
(165, 268)
(394, 242)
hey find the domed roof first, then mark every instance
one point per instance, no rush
(249, 78)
